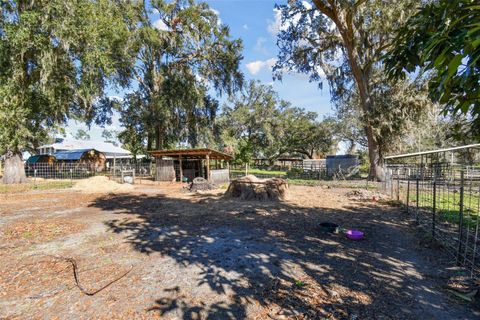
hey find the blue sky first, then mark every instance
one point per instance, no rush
(255, 22)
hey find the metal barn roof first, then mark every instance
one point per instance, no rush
(192, 154)
(71, 154)
(108, 149)
(38, 158)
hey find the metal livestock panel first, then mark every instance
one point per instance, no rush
(344, 164)
(165, 170)
(220, 176)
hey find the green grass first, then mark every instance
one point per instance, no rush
(261, 171)
(447, 206)
(16, 188)
(352, 184)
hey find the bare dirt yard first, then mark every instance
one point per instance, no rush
(158, 251)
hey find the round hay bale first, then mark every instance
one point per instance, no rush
(252, 188)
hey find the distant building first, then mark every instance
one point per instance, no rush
(109, 150)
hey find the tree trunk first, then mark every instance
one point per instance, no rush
(352, 148)
(344, 22)
(158, 137)
(14, 171)
(149, 141)
(376, 161)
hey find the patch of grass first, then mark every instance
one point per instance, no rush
(261, 171)
(302, 182)
(448, 206)
(24, 187)
(334, 184)
(300, 283)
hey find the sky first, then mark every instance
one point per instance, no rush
(256, 22)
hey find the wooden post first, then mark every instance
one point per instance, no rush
(228, 167)
(114, 165)
(180, 168)
(208, 167)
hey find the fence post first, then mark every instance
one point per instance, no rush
(417, 195)
(408, 193)
(34, 178)
(398, 184)
(460, 223)
(434, 209)
(391, 183)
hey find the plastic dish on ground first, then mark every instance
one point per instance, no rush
(328, 227)
(354, 234)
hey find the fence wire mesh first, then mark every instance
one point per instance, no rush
(441, 190)
(60, 171)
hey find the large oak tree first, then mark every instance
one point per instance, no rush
(181, 57)
(344, 41)
(56, 59)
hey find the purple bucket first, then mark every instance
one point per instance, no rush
(354, 234)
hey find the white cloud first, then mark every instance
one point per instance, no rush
(117, 98)
(307, 5)
(275, 25)
(217, 13)
(260, 46)
(245, 26)
(160, 25)
(256, 66)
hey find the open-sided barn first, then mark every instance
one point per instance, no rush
(187, 164)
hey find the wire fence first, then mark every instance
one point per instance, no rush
(60, 171)
(75, 170)
(301, 173)
(145, 170)
(441, 190)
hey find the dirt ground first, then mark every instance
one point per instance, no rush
(178, 255)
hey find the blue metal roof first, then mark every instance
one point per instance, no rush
(70, 154)
(38, 158)
(33, 159)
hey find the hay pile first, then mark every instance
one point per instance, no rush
(201, 184)
(101, 184)
(252, 188)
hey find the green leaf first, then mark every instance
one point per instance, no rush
(453, 65)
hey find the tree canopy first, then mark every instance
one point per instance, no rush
(180, 58)
(443, 40)
(257, 123)
(344, 42)
(56, 59)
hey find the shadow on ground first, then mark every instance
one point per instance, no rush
(270, 260)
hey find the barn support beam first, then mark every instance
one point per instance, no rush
(180, 168)
(207, 157)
